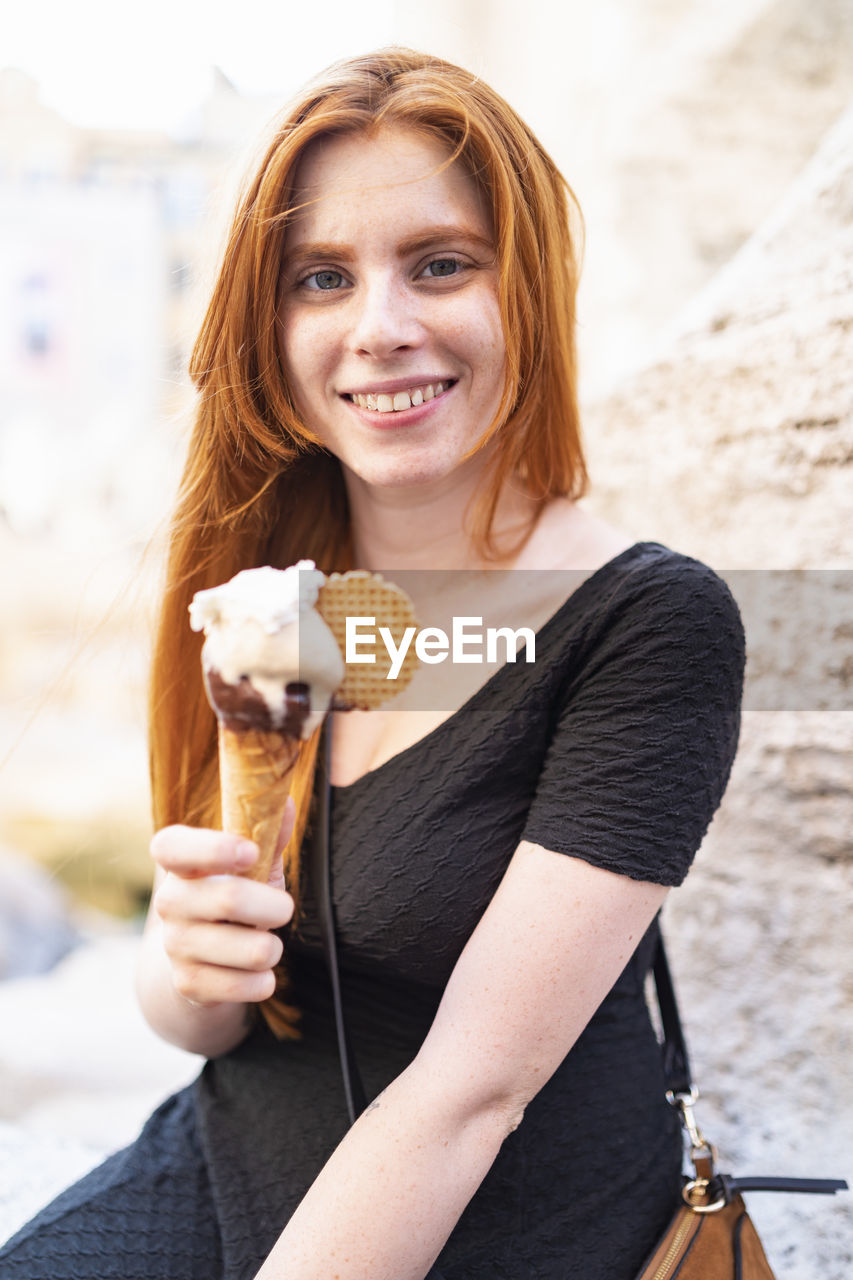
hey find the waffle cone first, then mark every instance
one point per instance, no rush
(359, 594)
(255, 773)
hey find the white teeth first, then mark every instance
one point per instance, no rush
(400, 400)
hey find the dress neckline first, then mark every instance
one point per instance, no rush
(602, 571)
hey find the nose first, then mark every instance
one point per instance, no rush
(385, 318)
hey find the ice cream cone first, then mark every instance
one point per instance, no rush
(273, 666)
(255, 772)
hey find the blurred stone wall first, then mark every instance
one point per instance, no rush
(736, 446)
(679, 125)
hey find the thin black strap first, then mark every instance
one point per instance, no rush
(676, 1064)
(809, 1186)
(322, 875)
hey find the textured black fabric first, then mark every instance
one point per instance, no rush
(615, 746)
(116, 1223)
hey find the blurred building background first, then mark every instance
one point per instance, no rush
(108, 238)
(712, 156)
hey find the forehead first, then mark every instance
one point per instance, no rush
(392, 175)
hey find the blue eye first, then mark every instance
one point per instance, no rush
(440, 268)
(323, 280)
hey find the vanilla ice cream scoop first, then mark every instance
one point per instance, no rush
(270, 661)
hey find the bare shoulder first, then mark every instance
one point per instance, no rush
(567, 536)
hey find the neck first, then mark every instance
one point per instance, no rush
(427, 526)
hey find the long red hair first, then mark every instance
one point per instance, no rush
(257, 487)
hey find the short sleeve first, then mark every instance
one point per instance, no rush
(647, 726)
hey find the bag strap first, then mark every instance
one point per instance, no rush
(676, 1064)
(710, 1190)
(321, 869)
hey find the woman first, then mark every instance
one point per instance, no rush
(387, 381)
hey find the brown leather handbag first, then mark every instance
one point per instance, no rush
(711, 1236)
(718, 1246)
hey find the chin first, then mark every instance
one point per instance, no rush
(405, 474)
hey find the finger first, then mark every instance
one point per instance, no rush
(233, 899)
(212, 984)
(223, 945)
(191, 852)
(275, 879)
(288, 821)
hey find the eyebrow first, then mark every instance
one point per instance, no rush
(422, 239)
(444, 231)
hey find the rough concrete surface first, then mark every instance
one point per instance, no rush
(737, 446)
(737, 443)
(761, 947)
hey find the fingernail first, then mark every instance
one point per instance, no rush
(246, 853)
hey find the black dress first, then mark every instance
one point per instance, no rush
(615, 747)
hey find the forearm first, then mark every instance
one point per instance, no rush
(394, 1189)
(208, 1030)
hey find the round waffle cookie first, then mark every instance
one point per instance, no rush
(359, 594)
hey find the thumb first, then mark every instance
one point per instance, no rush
(288, 818)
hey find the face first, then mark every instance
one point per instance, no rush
(390, 326)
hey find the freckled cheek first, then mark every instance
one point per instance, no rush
(481, 330)
(307, 352)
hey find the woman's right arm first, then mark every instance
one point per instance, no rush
(207, 952)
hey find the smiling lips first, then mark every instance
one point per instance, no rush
(400, 400)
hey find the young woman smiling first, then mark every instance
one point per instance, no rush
(387, 381)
